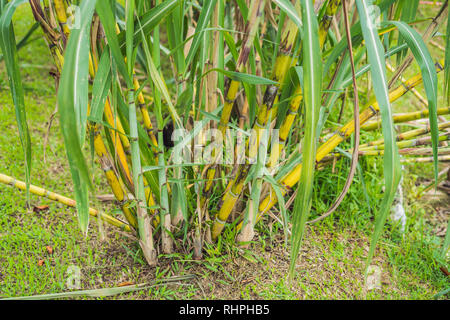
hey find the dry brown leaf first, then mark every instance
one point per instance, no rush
(126, 283)
(40, 262)
(445, 271)
(40, 208)
(49, 249)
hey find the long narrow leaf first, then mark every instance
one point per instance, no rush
(429, 76)
(208, 8)
(73, 100)
(312, 80)
(9, 49)
(379, 79)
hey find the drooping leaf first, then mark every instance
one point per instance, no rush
(430, 80)
(408, 13)
(287, 7)
(9, 49)
(312, 82)
(392, 167)
(72, 102)
(101, 85)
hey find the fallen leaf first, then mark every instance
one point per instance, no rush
(49, 249)
(126, 283)
(40, 262)
(445, 271)
(40, 208)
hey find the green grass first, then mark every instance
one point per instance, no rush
(331, 261)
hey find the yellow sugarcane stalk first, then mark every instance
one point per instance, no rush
(325, 22)
(268, 109)
(51, 36)
(62, 17)
(413, 90)
(145, 115)
(407, 135)
(445, 158)
(290, 179)
(373, 125)
(114, 182)
(106, 163)
(297, 97)
(122, 146)
(142, 106)
(62, 199)
(256, 11)
(407, 143)
(379, 149)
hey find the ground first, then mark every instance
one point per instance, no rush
(331, 265)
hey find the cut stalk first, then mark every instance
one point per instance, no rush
(62, 199)
(399, 118)
(407, 135)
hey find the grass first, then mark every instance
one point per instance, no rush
(332, 257)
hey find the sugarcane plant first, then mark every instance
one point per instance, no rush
(205, 115)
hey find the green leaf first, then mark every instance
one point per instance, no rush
(277, 188)
(9, 49)
(357, 38)
(100, 87)
(149, 21)
(203, 21)
(408, 13)
(392, 169)
(312, 87)
(106, 15)
(244, 77)
(72, 102)
(430, 80)
(129, 36)
(287, 7)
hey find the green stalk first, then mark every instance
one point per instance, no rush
(144, 226)
(166, 226)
